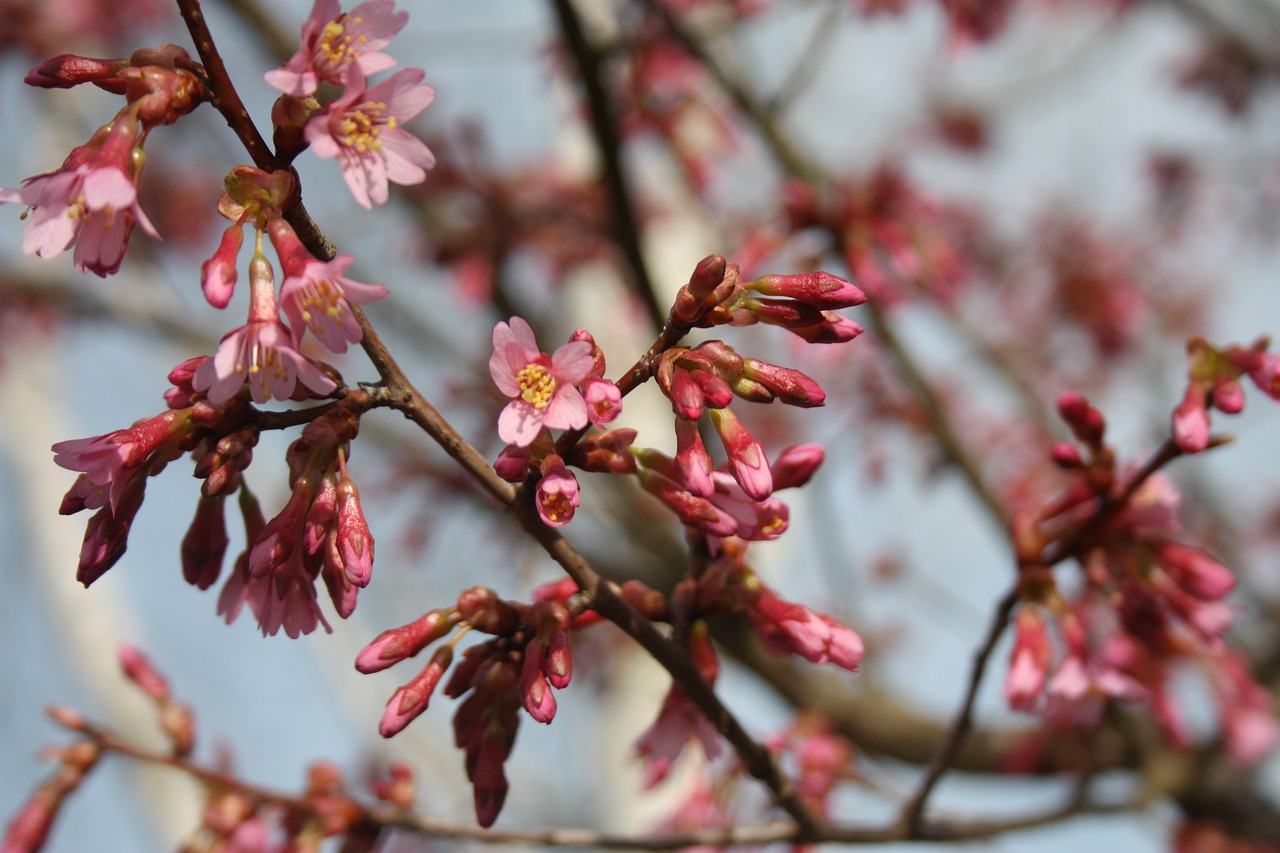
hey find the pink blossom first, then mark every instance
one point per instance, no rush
(1029, 666)
(794, 628)
(362, 129)
(316, 295)
(92, 201)
(109, 462)
(333, 41)
(604, 401)
(1079, 689)
(261, 352)
(542, 386)
(678, 722)
(557, 495)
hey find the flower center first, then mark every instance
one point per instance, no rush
(537, 386)
(337, 44)
(556, 507)
(361, 127)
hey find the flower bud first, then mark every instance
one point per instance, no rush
(796, 465)
(818, 289)
(604, 453)
(396, 644)
(412, 699)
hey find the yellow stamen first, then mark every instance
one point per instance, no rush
(537, 386)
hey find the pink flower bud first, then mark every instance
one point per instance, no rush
(707, 276)
(67, 70)
(747, 461)
(512, 463)
(29, 828)
(138, 669)
(604, 401)
(355, 542)
(692, 510)
(205, 545)
(219, 274)
(686, 396)
(535, 692)
(1065, 456)
(396, 644)
(107, 535)
(692, 460)
(819, 289)
(558, 663)
(1195, 571)
(716, 393)
(792, 387)
(597, 354)
(1228, 396)
(1191, 421)
(605, 453)
(412, 699)
(1085, 421)
(796, 465)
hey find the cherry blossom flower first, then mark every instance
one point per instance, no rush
(261, 352)
(91, 202)
(557, 495)
(332, 41)
(316, 295)
(542, 386)
(362, 129)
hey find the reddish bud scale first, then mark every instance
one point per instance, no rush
(605, 453)
(481, 608)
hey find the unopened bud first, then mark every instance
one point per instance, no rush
(67, 70)
(819, 289)
(138, 669)
(397, 644)
(412, 699)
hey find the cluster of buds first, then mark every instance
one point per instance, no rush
(315, 296)
(1149, 602)
(712, 500)
(562, 390)
(363, 127)
(91, 201)
(527, 657)
(803, 304)
(321, 533)
(1213, 381)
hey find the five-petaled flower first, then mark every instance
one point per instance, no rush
(542, 387)
(362, 130)
(332, 41)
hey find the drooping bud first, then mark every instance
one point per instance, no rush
(412, 699)
(138, 669)
(205, 545)
(397, 644)
(796, 465)
(747, 461)
(219, 274)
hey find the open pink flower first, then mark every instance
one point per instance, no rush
(261, 352)
(362, 129)
(333, 40)
(316, 295)
(91, 202)
(542, 386)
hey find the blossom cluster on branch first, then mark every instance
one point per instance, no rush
(1114, 600)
